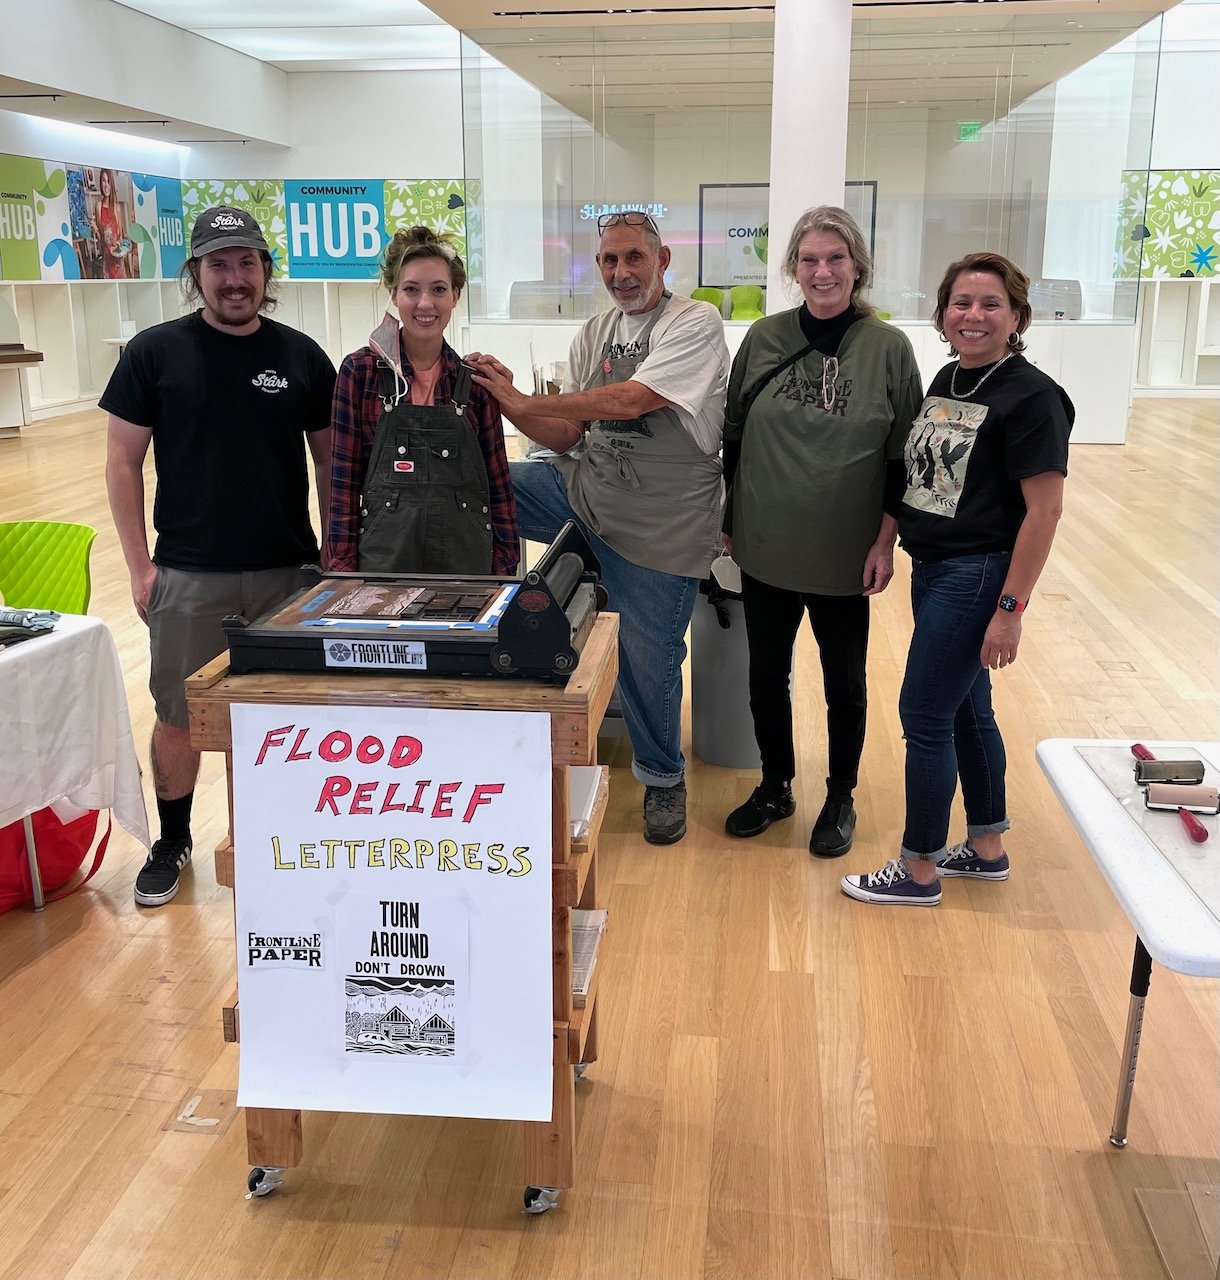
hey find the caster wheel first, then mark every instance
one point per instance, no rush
(263, 1181)
(580, 1068)
(540, 1199)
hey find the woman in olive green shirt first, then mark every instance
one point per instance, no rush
(819, 405)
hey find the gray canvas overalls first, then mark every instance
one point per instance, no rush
(643, 484)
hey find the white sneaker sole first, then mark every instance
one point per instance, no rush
(156, 899)
(853, 890)
(971, 875)
(160, 899)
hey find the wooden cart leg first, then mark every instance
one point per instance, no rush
(273, 1137)
(550, 1146)
(590, 1050)
(273, 1144)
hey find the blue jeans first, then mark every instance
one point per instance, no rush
(945, 705)
(654, 611)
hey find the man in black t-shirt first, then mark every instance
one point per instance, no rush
(227, 398)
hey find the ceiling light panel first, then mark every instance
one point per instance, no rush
(209, 15)
(338, 44)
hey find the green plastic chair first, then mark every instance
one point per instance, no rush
(746, 300)
(44, 564)
(706, 293)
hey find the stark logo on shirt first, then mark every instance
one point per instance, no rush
(270, 382)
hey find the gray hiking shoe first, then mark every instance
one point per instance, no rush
(665, 814)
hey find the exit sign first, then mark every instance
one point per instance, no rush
(969, 130)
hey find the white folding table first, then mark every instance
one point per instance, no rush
(1168, 886)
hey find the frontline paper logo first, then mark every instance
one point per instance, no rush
(227, 220)
(270, 382)
(290, 950)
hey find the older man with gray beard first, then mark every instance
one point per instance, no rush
(645, 396)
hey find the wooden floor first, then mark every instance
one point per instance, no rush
(791, 1085)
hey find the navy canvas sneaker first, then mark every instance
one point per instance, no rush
(962, 860)
(893, 883)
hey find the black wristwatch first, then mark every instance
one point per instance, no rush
(1010, 604)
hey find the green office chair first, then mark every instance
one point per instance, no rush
(706, 293)
(746, 300)
(44, 564)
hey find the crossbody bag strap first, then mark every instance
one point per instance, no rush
(748, 399)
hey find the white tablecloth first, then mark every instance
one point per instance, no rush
(65, 734)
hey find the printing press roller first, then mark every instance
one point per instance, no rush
(428, 624)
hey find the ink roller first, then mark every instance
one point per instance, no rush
(1170, 795)
(1149, 769)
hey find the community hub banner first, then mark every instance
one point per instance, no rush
(61, 221)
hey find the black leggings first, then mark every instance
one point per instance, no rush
(840, 626)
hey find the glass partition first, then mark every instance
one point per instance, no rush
(1003, 132)
(562, 125)
(986, 130)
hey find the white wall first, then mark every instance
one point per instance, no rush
(1086, 168)
(889, 146)
(1188, 89)
(353, 124)
(693, 147)
(103, 50)
(22, 135)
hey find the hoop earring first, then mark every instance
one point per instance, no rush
(1014, 339)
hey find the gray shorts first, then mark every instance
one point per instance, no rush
(185, 611)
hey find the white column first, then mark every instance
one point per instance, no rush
(811, 71)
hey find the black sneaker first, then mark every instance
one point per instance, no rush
(832, 832)
(665, 814)
(762, 809)
(157, 882)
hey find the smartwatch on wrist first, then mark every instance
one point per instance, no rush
(1010, 604)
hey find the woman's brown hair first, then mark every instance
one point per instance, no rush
(409, 243)
(1014, 280)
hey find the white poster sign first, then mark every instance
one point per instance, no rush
(393, 903)
(733, 234)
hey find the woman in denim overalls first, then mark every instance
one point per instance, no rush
(420, 480)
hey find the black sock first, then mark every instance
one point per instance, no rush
(775, 786)
(175, 817)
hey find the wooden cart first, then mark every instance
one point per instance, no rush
(274, 1137)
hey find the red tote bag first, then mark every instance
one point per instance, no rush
(62, 847)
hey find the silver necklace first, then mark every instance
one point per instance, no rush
(958, 395)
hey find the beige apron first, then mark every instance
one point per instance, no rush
(643, 484)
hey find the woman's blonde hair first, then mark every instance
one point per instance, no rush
(829, 217)
(410, 243)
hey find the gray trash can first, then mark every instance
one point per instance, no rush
(722, 729)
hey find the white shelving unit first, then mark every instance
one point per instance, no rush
(1179, 338)
(70, 324)
(76, 324)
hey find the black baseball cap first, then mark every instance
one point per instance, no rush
(224, 227)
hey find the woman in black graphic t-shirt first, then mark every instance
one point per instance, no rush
(986, 460)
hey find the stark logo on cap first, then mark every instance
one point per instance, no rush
(226, 227)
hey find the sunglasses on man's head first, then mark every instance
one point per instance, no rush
(630, 218)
